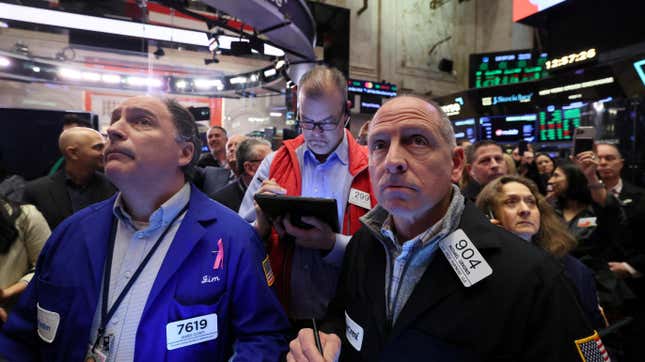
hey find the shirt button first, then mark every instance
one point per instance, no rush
(128, 275)
(139, 236)
(115, 320)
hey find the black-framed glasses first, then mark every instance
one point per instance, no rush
(327, 125)
(324, 126)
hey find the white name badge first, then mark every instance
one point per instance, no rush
(48, 322)
(464, 258)
(191, 331)
(587, 222)
(360, 198)
(354, 333)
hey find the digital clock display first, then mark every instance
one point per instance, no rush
(573, 58)
(494, 69)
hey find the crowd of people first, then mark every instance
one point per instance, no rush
(139, 248)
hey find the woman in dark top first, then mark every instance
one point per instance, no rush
(593, 224)
(594, 218)
(514, 203)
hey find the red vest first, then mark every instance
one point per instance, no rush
(285, 169)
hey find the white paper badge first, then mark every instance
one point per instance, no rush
(48, 322)
(191, 331)
(464, 258)
(360, 198)
(354, 333)
(587, 222)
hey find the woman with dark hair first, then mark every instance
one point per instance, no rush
(594, 218)
(545, 164)
(514, 203)
(570, 191)
(23, 232)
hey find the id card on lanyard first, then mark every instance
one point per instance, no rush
(99, 350)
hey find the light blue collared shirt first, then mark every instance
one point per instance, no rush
(313, 277)
(132, 243)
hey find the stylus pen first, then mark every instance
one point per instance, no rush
(316, 336)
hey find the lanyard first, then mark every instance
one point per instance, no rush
(106, 314)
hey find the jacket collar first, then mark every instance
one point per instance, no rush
(200, 212)
(97, 225)
(356, 154)
(439, 281)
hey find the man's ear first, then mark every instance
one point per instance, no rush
(186, 153)
(71, 152)
(458, 163)
(248, 168)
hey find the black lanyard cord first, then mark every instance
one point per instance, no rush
(106, 314)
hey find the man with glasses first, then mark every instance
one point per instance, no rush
(325, 161)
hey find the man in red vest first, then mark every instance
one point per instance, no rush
(325, 161)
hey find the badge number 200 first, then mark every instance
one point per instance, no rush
(192, 326)
(467, 253)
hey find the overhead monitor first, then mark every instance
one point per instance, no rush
(368, 95)
(558, 123)
(465, 129)
(503, 68)
(508, 128)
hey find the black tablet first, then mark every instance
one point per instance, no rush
(296, 206)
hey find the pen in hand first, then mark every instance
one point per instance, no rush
(316, 336)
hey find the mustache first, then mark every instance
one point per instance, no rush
(121, 150)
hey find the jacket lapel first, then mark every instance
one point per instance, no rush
(440, 280)
(188, 235)
(58, 193)
(96, 234)
(375, 289)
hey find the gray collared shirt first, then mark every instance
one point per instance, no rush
(132, 243)
(408, 260)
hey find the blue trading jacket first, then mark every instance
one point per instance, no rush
(250, 320)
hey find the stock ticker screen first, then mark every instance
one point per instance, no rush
(465, 129)
(558, 124)
(508, 128)
(494, 69)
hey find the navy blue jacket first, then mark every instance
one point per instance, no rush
(250, 319)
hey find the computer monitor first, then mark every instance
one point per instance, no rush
(508, 128)
(465, 129)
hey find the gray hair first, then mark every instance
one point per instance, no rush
(246, 151)
(318, 82)
(186, 131)
(219, 128)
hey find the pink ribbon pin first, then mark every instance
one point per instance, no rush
(219, 260)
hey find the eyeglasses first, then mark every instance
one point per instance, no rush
(324, 126)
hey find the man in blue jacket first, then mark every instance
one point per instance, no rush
(158, 272)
